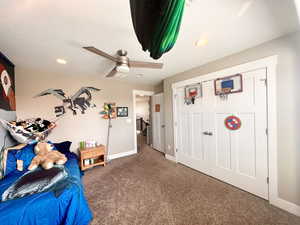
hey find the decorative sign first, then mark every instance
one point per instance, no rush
(233, 123)
(157, 108)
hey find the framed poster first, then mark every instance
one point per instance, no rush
(122, 111)
(7, 84)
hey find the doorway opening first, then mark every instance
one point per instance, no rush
(143, 124)
(142, 118)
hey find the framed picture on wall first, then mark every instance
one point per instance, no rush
(7, 84)
(122, 111)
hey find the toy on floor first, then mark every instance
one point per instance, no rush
(46, 156)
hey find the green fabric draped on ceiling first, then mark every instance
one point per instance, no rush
(157, 24)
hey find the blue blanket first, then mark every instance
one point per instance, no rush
(69, 208)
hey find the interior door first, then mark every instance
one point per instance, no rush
(240, 157)
(192, 146)
(204, 143)
(158, 122)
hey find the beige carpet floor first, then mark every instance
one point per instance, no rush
(147, 189)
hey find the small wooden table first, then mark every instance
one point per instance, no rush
(90, 157)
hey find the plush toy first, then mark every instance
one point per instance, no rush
(46, 156)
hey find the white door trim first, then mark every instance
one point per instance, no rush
(135, 93)
(270, 63)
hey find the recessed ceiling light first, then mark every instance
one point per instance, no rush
(201, 42)
(61, 61)
(139, 75)
(245, 8)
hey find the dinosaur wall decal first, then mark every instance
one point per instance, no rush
(80, 101)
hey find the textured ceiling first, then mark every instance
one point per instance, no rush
(35, 33)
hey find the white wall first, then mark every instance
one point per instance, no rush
(81, 127)
(288, 99)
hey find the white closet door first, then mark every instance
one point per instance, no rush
(240, 157)
(237, 157)
(192, 145)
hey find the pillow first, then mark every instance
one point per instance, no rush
(11, 162)
(25, 154)
(8, 160)
(35, 181)
(63, 147)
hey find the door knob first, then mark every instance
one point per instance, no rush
(208, 133)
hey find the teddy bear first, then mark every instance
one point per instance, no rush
(46, 156)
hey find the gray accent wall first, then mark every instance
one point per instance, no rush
(288, 105)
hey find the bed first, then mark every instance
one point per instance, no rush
(69, 208)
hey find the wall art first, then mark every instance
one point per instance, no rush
(77, 103)
(109, 111)
(122, 111)
(7, 86)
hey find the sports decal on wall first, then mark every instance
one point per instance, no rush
(192, 92)
(228, 85)
(233, 123)
(7, 85)
(79, 102)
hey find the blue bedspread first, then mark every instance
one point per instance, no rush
(70, 208)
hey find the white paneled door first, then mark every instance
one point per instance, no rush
(158, 126)
(203, 142)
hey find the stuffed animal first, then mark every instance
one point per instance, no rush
(46, 156)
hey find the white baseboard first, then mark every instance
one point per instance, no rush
(170, 157)
(122, 154)
(286, 205)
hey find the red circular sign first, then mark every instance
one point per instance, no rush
(233, 123)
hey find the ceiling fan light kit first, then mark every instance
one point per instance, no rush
(123, 68)
(123, 63)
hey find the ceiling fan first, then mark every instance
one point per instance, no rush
(123, 63)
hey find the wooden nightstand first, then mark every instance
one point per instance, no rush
(90, 157)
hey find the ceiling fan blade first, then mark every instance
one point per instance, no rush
(101, 53)
(140, 64)
(112, 73)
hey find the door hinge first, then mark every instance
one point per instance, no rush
(265, 80)
(176, 149)
(175, 96)
(267, 132)
(268, 180)
(175, 124)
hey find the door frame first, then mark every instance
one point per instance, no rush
(135, 93)
(270, 64)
